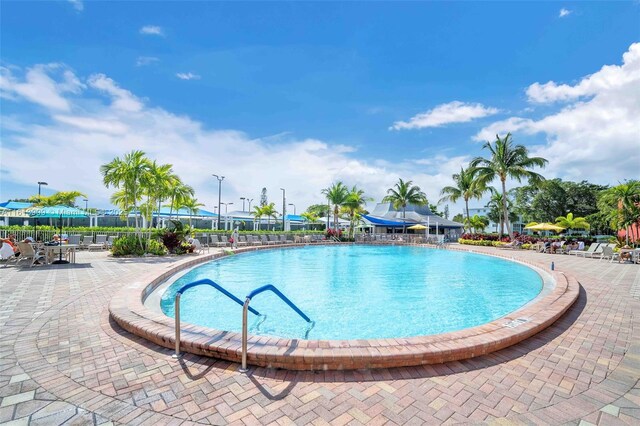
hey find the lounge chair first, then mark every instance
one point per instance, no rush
(27, 253)
(87, 240)
(242, 240)
(197, 246)
(253, 241)
(512, 245)
(283, 239)
(607, 252)
(100, 244)
(589, 251)
(110, 241)
(74, 239)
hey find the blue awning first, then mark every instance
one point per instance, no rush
(385, 222)
(15, 205)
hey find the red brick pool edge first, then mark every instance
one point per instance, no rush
(128, 310)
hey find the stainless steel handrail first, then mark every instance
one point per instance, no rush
(246, 308)
(186, 287)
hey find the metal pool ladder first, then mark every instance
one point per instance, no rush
(246, 308)
(186, 287)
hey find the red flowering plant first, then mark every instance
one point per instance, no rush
(334, 233)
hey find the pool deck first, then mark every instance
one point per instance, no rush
(64, 361)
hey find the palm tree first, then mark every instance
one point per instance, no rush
(336, 194)
(68, 198)
(477, 223)
(506, 161)
(180, 193)
(622, 205)
(257, 214)
(570, 222)
(354, 206)
(405, 193)
(162, 181)
(270, 212)
(131, 174)
(496, 205)
(309, 217)
(192, 205)
(466, 188)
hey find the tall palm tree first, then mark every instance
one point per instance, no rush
(354, 206)
(570, 222)
(336, 194)
(496, 205)
(130, 173)
(622, 205)
(162, 179)
(466, 187)
(402, 194)
(180, 192)
(192, 205)
(309, 217)
(507, 161)
(477, 223)
(68, 198)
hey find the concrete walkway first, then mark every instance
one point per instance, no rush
(62, 361)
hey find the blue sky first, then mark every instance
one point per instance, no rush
(298, 95)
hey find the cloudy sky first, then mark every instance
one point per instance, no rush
(300, 95)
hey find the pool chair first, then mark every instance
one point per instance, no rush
(197, 246)
(87, 240)
(512, 245)
(110, 241)
(253, 241)
(100, 244)
(242, 240)
(74, 239)
(590, 250)
(595, 252)
(283, 239)
(607, 253)
(579, 249)
(28, 254)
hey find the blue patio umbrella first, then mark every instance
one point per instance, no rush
(61, 212)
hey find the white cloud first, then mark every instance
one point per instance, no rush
(452, 112)
(142, 61)
(70, 148)
(121, 99)
(609, 78)
(596, 139)
(77, 5)
(564, 12)
(152, 30)
(187, 76)
(39, 87)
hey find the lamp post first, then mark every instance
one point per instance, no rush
(86, 204)
(249, 200)
(284, 207)
(39, 185)
(243, 198)
(220, 179)
(294, 208)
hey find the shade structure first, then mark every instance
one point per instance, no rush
(418, 227)
(54, 212)
(545, 227)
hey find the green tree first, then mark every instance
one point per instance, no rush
(496, 213)
(180, 193)
(477, 223)
(161, 182)
(270, 212)
(257, 214)
(354, 206)
(402, 194)
(458, 218)
(336, 194)
(466, 187)
(192, 205)
(309, 217)
(319, 210)
(130, 173)
(621, 204)
(569, 222)
(507, 161)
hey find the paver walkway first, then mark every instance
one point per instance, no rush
(62, 361)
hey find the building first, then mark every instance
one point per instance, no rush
(385, 219)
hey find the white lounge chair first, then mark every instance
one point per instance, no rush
(100, 244)
(74, 239)
(87, 240)
(28, 254)
(592, 248)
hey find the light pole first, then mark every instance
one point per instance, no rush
(243, 198)
(86, 204)
(294, 208)
(220, 179)
(249, 200)
(284, 207)
(39, 185)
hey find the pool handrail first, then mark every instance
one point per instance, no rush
(204, 281)
(246, 308)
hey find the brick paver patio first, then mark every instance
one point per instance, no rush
(63, 361)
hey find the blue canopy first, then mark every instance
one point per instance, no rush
(164, 211)
(15, 205)
(386, 222)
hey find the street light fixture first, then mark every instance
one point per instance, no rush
(294, 208)
(243, 198)
(226, 207)
(220, 179)
(39, 185)
(249, 200)
(284, 207)
(86, 204)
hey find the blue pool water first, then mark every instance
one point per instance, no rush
(357, 292)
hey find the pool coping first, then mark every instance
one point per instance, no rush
(128, 310)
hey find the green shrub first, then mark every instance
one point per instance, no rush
(156, 247)
(484, 243)
(128, 245)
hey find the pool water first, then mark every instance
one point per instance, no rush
(357, 292)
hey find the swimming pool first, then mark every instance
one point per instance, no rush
(358, 292)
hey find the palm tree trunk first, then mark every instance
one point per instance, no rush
(466, 204)
(404, 217)
(504, 208)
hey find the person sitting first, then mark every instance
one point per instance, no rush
(546, 246)
(626, 255)
(11, 241)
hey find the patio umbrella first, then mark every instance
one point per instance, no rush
(61, 212)
(544, 227)
(418, 227)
